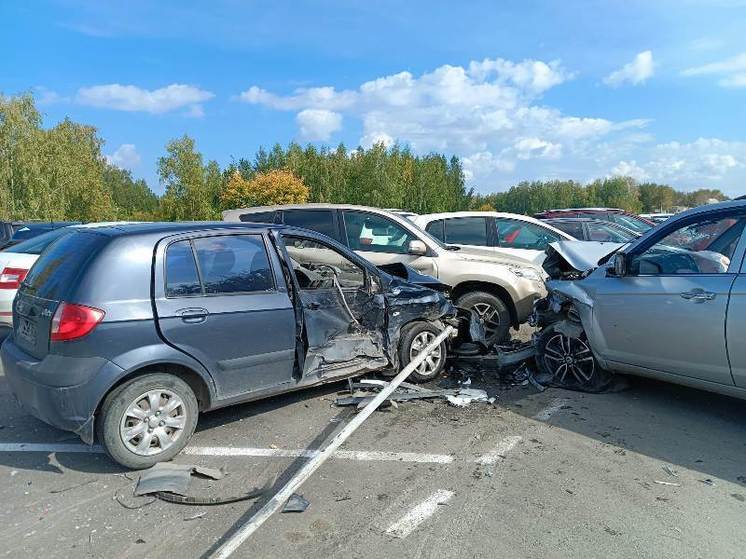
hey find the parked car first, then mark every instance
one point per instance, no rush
(500, 289)
(14, 232)
(584, 229)
(615, 215)
(503, 233)
(16, 261)
(657, 217)
(131, 331)
(669, 305)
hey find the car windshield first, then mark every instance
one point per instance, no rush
(630, 222)
(36, 245)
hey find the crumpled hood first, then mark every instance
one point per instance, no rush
(400, 271)
(570, 259)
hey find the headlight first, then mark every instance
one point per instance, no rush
(526, 273)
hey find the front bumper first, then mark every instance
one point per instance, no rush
(35, 384)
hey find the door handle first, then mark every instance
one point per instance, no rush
(193, 315)
(313, 306)
(698, 295)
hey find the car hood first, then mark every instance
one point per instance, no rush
(399, 272)
(573, 259)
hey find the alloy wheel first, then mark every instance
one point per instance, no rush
(432, 362)
(153, 422)
(564, 355)
(489, 317)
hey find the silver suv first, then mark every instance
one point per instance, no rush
(500, 288)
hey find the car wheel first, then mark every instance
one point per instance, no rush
(414, 338)
(147, 420)
(569, 361)
(493, 313)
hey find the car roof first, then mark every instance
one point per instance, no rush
(586, 210)
(174, 227)
(427, 218)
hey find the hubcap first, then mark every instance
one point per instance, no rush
(565, 356)
(489, 317)
(431, 363)
(153, 422)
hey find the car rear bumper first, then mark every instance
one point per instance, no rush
(70, 408)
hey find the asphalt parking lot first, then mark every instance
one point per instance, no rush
(536, 474)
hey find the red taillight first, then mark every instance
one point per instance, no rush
(11, 278)
(71, 322)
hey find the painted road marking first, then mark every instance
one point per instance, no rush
(421, 512)
(555, 405)
(501, 450)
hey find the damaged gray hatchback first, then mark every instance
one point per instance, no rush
(125, 333)
(670, 305)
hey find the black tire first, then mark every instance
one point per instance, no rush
(412, 337)
(567, 361)
(489, 306)
(112, 418)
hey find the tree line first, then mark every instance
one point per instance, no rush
(60, 173)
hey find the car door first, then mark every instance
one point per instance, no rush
(219, 299)
(383, 241)
(668, 312)
(523, 239)
(343, 309)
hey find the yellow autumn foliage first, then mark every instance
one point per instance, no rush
(264, 189)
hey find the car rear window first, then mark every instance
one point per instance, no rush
(36, 245)
(233, 264)
(62, 263)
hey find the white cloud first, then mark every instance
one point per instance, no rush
(46, 96)
(629, 169)
(530, 148)
(705, 159)
(635, 72)
(318, 124)
(125, 157)
(132, 98)
(732, 71)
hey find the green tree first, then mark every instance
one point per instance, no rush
(182, 172)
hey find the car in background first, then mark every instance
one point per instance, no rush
(584, 229)
(501, 289)
(615, 215)
(126, 333)
(14, 232)
(17, 260)
(657, 217)
(670, 305)
(502, 233)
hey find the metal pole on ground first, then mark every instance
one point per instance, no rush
(279, 499)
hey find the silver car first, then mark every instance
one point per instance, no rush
(669, 305)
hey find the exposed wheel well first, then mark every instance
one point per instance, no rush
(494, 289)
(191, 377)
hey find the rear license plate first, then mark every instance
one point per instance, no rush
(27, 330)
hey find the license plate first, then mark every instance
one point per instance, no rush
(27, 330)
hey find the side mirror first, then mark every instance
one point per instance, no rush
(620, 264)
(417, 248)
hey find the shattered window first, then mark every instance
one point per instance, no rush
(704, 247)
(375, 233)
(318, 266)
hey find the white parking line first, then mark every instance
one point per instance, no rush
(424, 510)
(362, 455)
(503, 447)
(555, 405)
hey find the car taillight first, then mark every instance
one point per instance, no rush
(11, 278)
(71, 322)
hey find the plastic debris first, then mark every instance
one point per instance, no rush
(466, 396)
(671, 483)
(669, 471)
(296, 503)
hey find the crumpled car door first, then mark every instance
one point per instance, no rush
(341, 310)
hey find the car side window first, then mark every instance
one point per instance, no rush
(572, 228)
(602, 232)
(466, 231)
(321, 221)
(513, 233)
(258, 217)
(435, 228)
(375, 233)
(703, 247)
(182, 279)
(233, 264)
(316, 265)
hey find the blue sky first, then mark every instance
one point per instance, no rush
(519, 90)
